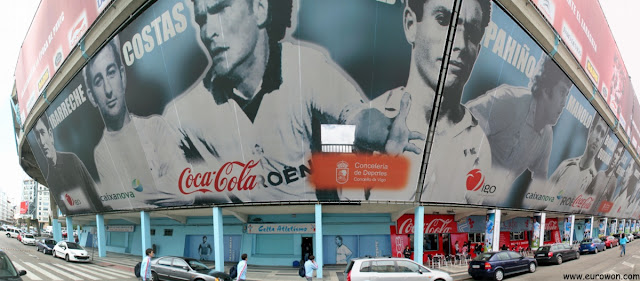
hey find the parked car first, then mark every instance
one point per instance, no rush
(9, 271)
(28, 239)
(70, 251)
(636, 235)
(497, 265)
(360, 269)
(45, 245)
(611, 242)
(556, 253)
(181, 268)
(592, 246)
(12, 233)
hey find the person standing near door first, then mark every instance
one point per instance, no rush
(309, 267)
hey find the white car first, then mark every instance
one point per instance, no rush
(362, 269)
(70, 251)
(12, 232)
(28, 239)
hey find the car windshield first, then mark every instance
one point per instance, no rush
(544, 249)
(588, 241)
(73, 246)
(28, 236)
(6, 267)
(50, 242)
(196, 265)
(483, 257)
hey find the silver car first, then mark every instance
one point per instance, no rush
(377, 269)
(181, 268)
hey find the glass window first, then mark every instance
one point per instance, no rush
(196, 265)
(165, 261)
(179, 263)
(7, 267)
(567, 246)
(514, 255)
(483, 257)
(407, 266)
(547, 235)
(431, 242)
(517, 235)
(383, 266)
(365, 266)
(476, 237)
(503, 256)
(168, 232)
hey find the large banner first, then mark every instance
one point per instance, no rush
(199, 247)
(55, 30)
(584, 29)
(170, 112)
(515, 132)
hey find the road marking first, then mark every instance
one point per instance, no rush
(104, 270)
(91, 271)
(61, 272)
(30, 276)
(628, 264)
(113, 270)
(42, 271)
(63, 266)
(636, 256)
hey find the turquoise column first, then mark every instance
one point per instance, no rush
(218, 240)
(57, 231)
(102, 236)
(318, 238)
(145, 228)
(69, 229)
(418, 235)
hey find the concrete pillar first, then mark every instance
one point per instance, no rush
(319, 253)
(492, 231)
(69, 229)
(418, 235)
(613, 227)
(603, 227)
(102, 236)
(145, 229)
(572, 223)
(57, 230)
(590, 228)
(218, 240)
(623, 226)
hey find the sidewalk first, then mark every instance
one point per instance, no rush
(126, 262)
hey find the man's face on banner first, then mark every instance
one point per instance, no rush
(431, 33)
(108, 84)
(45, 138)
(229, 31)
(596, 135)
(551, 101)
(615, 158)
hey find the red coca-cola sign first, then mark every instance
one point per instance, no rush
(432, 224)
(605, 207)
(551, 224)
(231, 176)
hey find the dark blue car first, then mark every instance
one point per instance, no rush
(592, 246)
(496, 265)
(45, 245)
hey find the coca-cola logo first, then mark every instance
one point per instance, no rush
(436, 225)
(551, 225)
(226, 178)
(475, 180)
(71, 201)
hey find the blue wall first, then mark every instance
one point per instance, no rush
(288, 246)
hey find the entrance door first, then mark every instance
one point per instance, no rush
(307, 248)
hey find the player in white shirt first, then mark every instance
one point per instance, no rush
(457, 145)
(259, 100)
(138, 159)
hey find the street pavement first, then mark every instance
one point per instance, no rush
(599, 266)
(45, 267)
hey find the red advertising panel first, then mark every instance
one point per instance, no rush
(24, 207)
(584, 29)
(432, 224)
(56, 29)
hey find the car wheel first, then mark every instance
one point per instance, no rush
(577, 255)
(8, 235)
(498, 275)
(155, 276)
(532, 267)
(66, 257)
(559, 260)
(595, 251)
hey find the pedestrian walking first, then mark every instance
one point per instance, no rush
(145, 268)
(242, 268)
(623, 245)
(309, 266)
